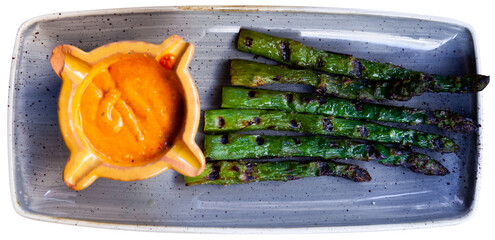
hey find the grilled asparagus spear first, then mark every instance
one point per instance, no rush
(237, 97)
(241, 146)
(296, 54)
(229, 120)
(253, 74)
(236, 172)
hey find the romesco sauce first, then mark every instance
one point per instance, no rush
(132, 110)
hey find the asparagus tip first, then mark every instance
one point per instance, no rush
(419, 163)
(361, 175)
(482, 82)
(445, 145)
(351, 172)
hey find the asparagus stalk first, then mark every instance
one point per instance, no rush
(240, 146)
(229, 120)
(236, 172)
(237, 97)
(253, 74)
(296, 54)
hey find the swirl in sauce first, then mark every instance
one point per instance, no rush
(132, 110)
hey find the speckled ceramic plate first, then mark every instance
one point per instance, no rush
(395, 198)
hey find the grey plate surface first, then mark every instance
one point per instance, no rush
(395, 196)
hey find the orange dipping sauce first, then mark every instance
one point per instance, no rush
(133, 110)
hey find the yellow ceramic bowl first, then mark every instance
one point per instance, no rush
(77, 68)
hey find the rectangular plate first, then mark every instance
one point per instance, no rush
(395, 198)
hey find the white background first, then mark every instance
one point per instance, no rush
(478, 14)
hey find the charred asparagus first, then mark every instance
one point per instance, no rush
(236, 172)
(241, 146)
(237, 97)
(294, 53)
(253, 74)
(229, 120)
